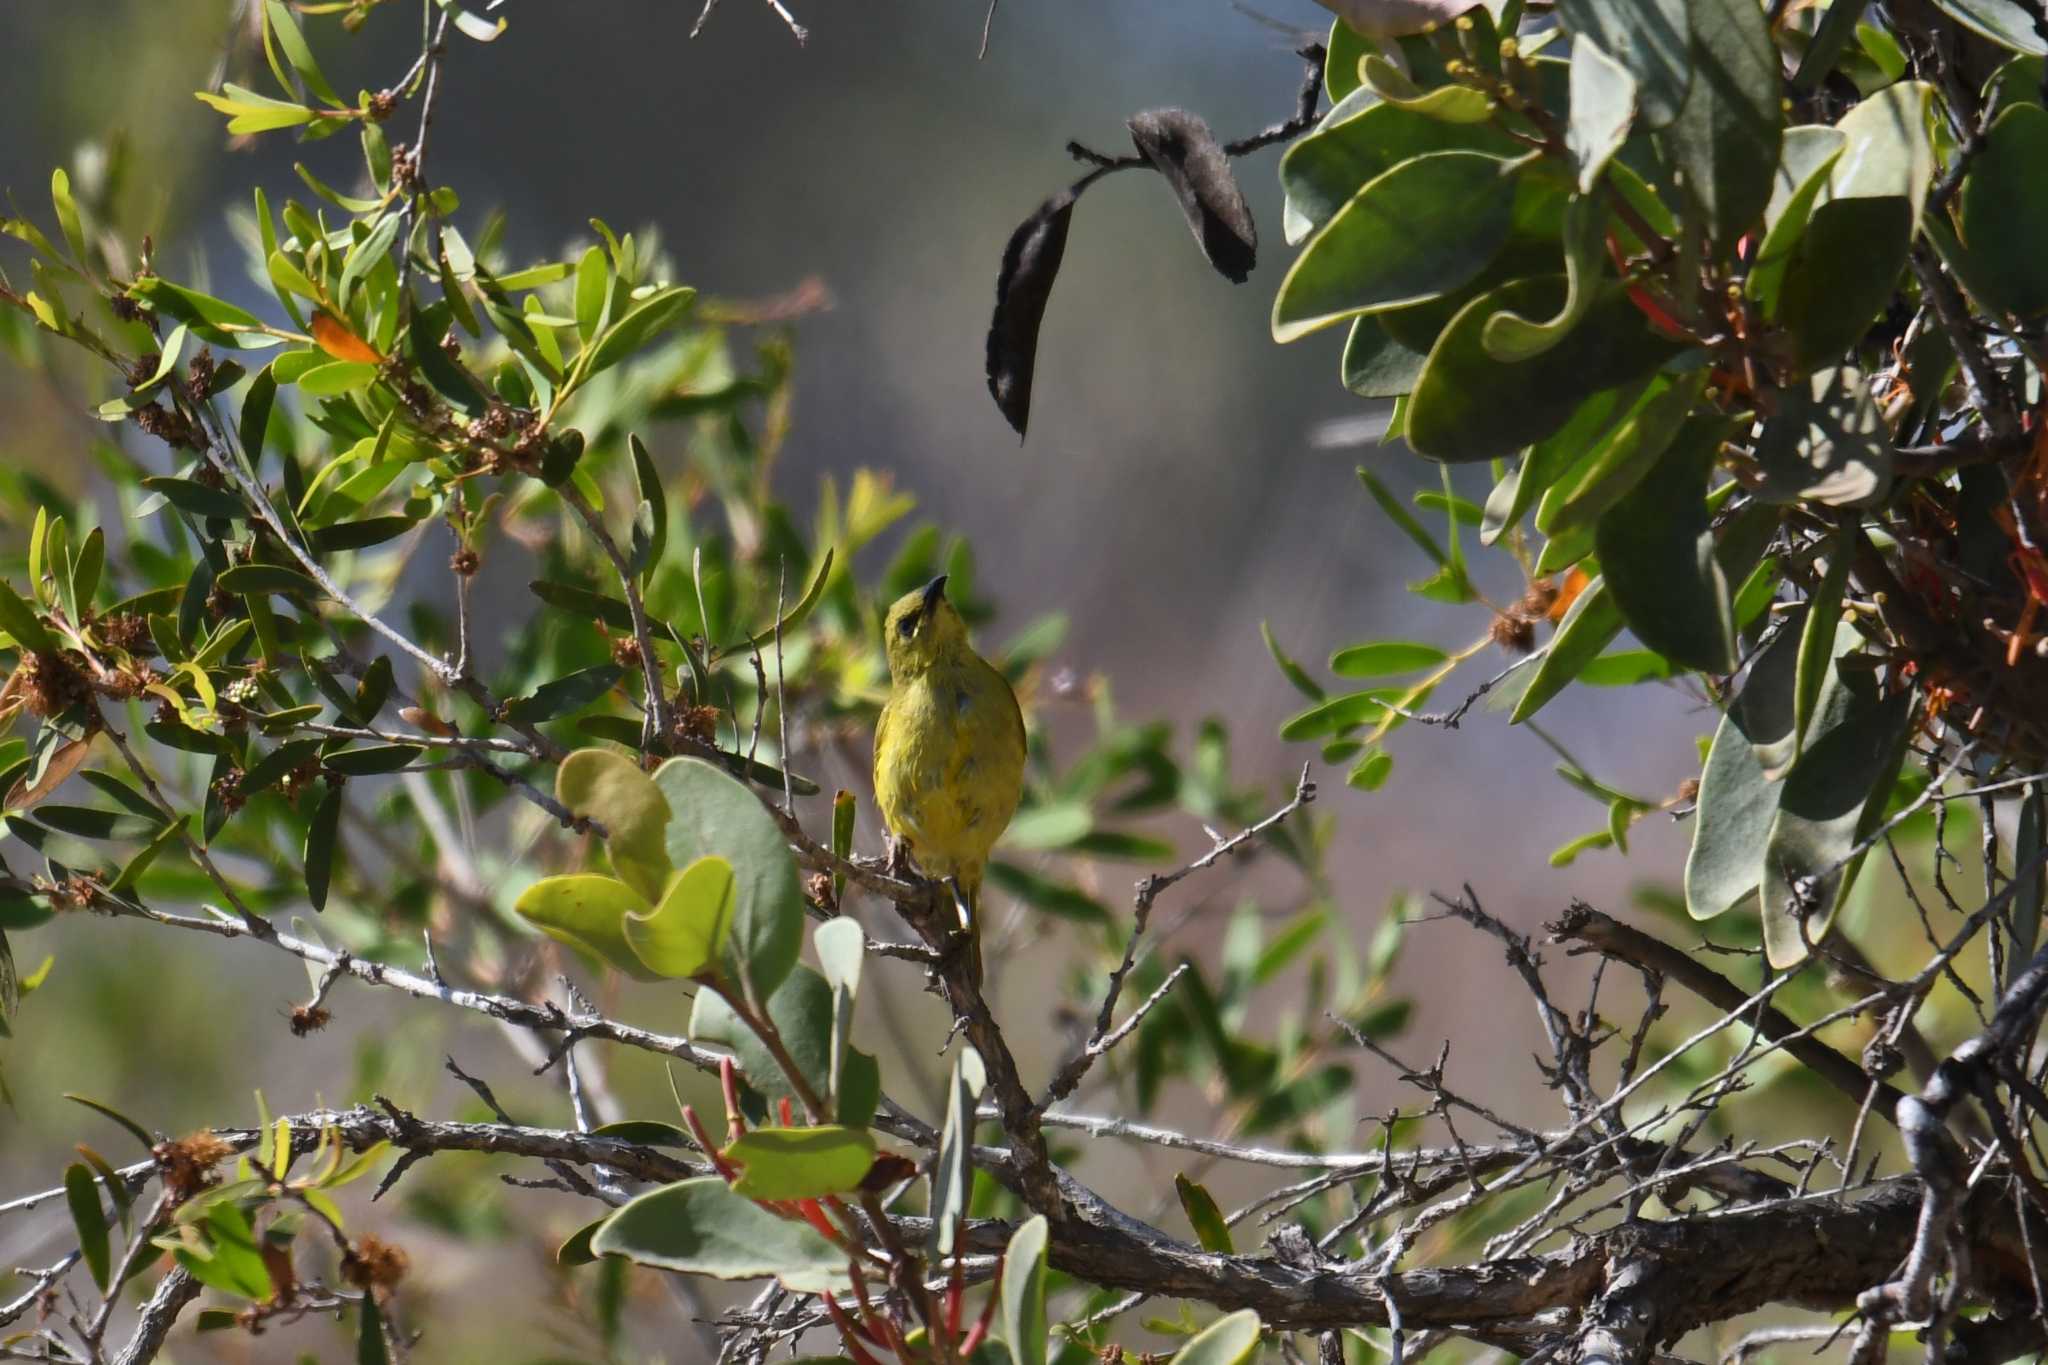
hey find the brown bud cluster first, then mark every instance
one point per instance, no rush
(818, 890)
(308, 1019)
(298, 779)
(382, 105)
(374, 1264)
(79, 890)
(130, 680)
(49, 684)
(1513, 632)
(626, 652)
(466, 562)
(202, 371)
(128, 632)
(227, 791)
(171, 427)
(699, 723)
(187, 1163)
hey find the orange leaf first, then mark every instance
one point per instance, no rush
(68, 760)
(1567, 593)
(334, 337)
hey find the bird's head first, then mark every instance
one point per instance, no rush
(922, 629)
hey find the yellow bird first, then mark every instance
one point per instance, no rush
(949, 748)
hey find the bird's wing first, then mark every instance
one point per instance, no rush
(882, 747)
(1016, 711)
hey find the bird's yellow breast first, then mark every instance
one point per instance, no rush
(949, 764)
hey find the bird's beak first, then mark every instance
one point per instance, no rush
(934, 593)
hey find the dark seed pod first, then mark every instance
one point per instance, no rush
(1180, 147)
(1031, 262)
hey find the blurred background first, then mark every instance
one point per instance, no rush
(1184, 479)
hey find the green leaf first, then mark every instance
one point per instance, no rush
(1383, 658)
(68, 220)
(1817, 645)
(1650, 39)
(584, 603)
(89, 1220)
(842, 948)
(19, 619)
(794, 616)
(166, 361)
(801, 1010)
(648, 480)
(716, 814)
(701, 1227)
(1042, 893)
(1424, 227)
(1232, 1340)
(1203, 1216)
(1402, 517)
(1656, 549)
(370, 760)
(952, 1173)
(1806, 163)
(359, 535)
(1469, 406)
(2005, 22)
(1360, 140)
(843, 812)
(87, 823)
(1023, 1292)
(205, 314)
(472, 25)
(1589, 626)
(1827, 443)
(136, 1130)
(610, 788)
(256, 579)
(320, 839)
(1831, 798)
(587, 912)
(1508, 337)
(1450, 103)
(646, 1133)
(1339, 714)
(593, 293)
(196, 498)
(1375, 365)
(1289, 669)
(1888, 151)
(640, 325)
(370, 1346)
(559, 697)
(1740, 786)
(1603, 107)
(684, 934)
(1346, 47)
(1370, 773)
(801, 1163)
(2003, 198)
(337, 377)
(1842, 276)
(279, 24)
(1724, 142)
(1623, 457)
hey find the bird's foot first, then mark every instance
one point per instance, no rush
(896, 854)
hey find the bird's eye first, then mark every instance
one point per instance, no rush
(907, 626)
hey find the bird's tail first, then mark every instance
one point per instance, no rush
(968, 879)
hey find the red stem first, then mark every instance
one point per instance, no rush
(709, 1148)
